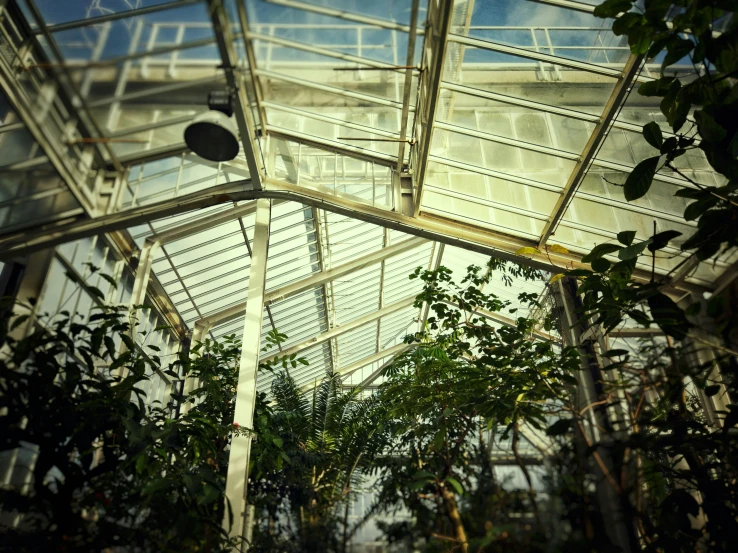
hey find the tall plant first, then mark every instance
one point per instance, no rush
(100, 468)
(329, 437)
(678, 462)
(464, 377)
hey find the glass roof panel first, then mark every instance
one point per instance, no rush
(547, 29)
(389, 10)
(524, 85)
(55, 12)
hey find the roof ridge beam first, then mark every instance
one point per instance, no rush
(451, 232)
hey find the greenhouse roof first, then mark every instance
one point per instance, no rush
(388, 135)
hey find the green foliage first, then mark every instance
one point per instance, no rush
(682, 487)
(463, 378)
(308, 463)
(104, 468)
(701, 106)
(704, 33)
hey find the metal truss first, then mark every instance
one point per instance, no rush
(319, 279)
(234, 77)
(434, 54)
(432, 228)
(614, 103)
(343, 329)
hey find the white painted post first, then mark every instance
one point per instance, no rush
(238, 461)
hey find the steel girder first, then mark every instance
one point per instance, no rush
(432, 228)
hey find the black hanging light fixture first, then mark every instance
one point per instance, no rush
(213, 135)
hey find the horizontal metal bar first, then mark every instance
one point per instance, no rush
(508, 321)
(317, 279)
(394, 351)
(116, 16)
(345, 15)
(450, 232)
(323, 52)
(161, 89)
(569, 4)
(378, 356)
(204, 224)
(139, 55)
(327, 119)
(263, 73)
(507, 141)
(502, 98)
(546, 108)
(350, 150)
(342, 329)
(152, 126)
(494, 173)
(537, 56)
(153, 154)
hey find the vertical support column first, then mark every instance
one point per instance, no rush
(140, 284)
(199, 334)
(27, 282)
(143, 272)
(701, 348)
(612, 505)
(238, 461)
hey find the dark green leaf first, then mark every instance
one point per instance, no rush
(110, 280)
(710, 129)
(652, 134)
(600, 265)
(676, 50)
(560, 427)
(639, 180)
(712, 390)
(95, 291)
(660, 240)
(611, 8)
(615, 353)
(626, 237)
(731, 419)
(696, 209)
(667, 314)
(600, 250)
(669, 145)
(19, 320)
(656, 87)
(633, 251)
(455, 484)
(128, 341)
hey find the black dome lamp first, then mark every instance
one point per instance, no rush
(213, 135)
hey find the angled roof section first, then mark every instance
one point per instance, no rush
(381, 131)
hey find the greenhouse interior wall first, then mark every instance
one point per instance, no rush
(375, 138)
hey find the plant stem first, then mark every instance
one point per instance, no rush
(526, 473)
(452, 511)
